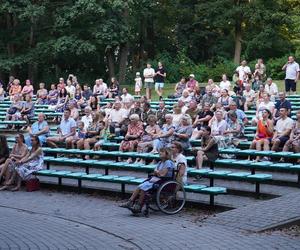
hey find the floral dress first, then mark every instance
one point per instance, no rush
(132, 130)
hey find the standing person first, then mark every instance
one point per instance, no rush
(138, 84)
(243, 70)
(160, 76)
(149, 74)
(291, 75)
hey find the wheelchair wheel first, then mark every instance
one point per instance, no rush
(170, 198)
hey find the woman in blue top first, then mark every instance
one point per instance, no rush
(163, 169)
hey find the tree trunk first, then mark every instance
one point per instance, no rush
(151, 38)
(123, 62)
(238, 43)
(32, 67)
(110, 62)
(11, 23)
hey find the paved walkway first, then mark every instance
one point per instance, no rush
(51, 220)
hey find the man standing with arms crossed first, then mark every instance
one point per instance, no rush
(291, 75)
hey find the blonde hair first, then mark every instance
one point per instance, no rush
(134, 117)
(187, 118)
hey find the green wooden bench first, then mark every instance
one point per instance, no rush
(124, 180)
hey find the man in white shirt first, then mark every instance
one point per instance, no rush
(249, 95)
(292, 72)
(126, 97)
(243, 70)
(66, 131)
(116, 117)
(149, 74)
(87, 118)
(283, 130)
(271, 88)
(100, 89)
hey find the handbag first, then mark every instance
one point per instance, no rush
(32, 185)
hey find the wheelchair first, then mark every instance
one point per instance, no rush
(167, 195)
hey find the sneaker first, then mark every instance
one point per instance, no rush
(127, 204)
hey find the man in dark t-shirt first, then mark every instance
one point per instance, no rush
(203, 117)
(282, 103)
(160, 75)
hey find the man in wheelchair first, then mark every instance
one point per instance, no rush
(165, 177)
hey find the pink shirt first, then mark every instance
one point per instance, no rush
(27, 89)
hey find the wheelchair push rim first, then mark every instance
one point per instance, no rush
(170, 198)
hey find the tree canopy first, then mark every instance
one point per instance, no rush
(44, 39)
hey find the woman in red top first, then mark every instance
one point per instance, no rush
(264, 133)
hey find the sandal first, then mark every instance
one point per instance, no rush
(127, 204)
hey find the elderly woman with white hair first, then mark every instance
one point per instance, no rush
(184, 132)
(133, 136)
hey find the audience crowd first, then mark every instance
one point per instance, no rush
(214, 113)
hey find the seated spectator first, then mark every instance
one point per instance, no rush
(27, 111)
(225, 84)
(114, 88)
(70, 88)
(265, 104)
(87, 118)
(25, 167)
(272, 89)
(15, 88)
(260, 94)
(186, 97)
(10, 83)
(209, 147)
(53, 95)
(27, 89)
(240, 100)
(208, 97)
(14, 111)
(225, 99)
(66, 131)
(236, 82)
(116, 118)
(100, 90)
(91, 134)
(249, 95)
(176, 115)
(182, 106)
(74, 110)
(283, 128)
(17, 153)
(86, 93)
(163, 169)
(179, 88)
(256, 83)
(164, 138)
(61, 84)
(234, 131)
(147, 111)
(136, 109)
(202, 119)
(293, 143)
(42, 95)
(4, 150)
(80, 101)
(191, 84)
(161, 113)
(214, 88)
(2, 92)
(218, 124)
(264, 133)
(126, 97)
(183, 132)
(282, 103)
(197, 95)
(62, 102)
(39, 128)
(193, 110)
(151, 132)
(133, 136)
(240, 113)
(180, 162)
(93, 103)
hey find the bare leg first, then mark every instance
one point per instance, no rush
(276, 145)
(258, 147)
(199, 159)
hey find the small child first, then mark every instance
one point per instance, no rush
(80, 134)
(102, 138)
(138, 84)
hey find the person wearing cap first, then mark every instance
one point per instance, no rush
(138, 84)
(149, 74)
(191, 84)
